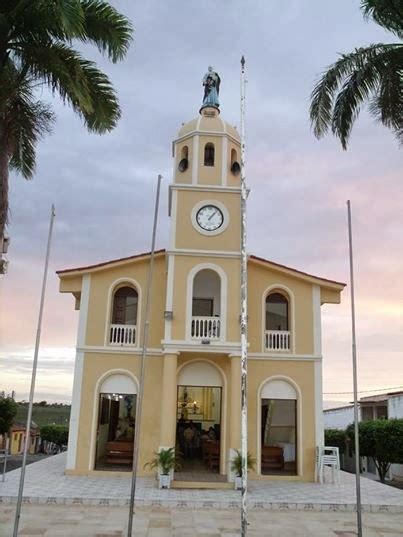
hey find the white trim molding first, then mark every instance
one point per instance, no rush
(132, 283)
(204, 253)
(299, 432)
(78, 374)
(224, 161)
(99, 349)
(170, 294)
(199, 188)
(319, 421)
(174, 212)
(95, 408)
(195, 161)
(223, 210)
(291, 300)
(317, 326)
(223, 298)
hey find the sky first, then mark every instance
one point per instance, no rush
(103, 187)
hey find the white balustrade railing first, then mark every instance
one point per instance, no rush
(278, 340)
(123, 334)
(205, 328)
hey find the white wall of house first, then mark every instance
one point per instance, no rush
(338, 418)
(395, 410)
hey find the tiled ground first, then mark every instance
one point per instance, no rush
(79, 521)
(45, 483)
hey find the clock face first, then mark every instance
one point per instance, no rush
(209, 217)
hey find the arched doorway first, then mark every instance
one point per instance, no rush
(199, 431)
(278, 402)
(117, 397)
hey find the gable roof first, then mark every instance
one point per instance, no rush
(270, 264)
(112, 262)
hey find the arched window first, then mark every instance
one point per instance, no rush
(209, 154)
(184, 159)
(125, 301)
(235, 167)
(277, 312)
(206, 305)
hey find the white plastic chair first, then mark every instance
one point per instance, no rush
(328, 456)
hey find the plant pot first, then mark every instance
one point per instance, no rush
(165, 481)
(238, 482)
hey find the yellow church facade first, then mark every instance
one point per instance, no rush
(192, 387)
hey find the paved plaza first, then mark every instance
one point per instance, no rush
(91, 521)
(45, 483)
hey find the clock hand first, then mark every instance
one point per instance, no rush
(211, 216)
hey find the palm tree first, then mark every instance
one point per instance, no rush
(36, 39)
(372, 74)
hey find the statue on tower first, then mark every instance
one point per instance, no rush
(211, 83)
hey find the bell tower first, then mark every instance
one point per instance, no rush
(202, 306)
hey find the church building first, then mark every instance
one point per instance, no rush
(192, 387)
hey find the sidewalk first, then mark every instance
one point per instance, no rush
(45, 483)
(90, 521)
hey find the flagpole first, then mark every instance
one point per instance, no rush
(244, 317)
(355, 383)
(139, 405)
(33, 378)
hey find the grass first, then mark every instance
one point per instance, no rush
(45, 415)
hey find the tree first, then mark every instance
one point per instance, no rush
(58, 434)
(370, 74)
(8, 411)
(382, 440)
(36, 50)
(337, 438)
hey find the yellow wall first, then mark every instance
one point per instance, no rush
(95, 366)
(260, 279)
(186, 234)
(99, 315)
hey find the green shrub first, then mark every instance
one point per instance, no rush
(336, 438)
(8, 411)
(381, 440)
(58, 434)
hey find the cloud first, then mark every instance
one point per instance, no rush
(104, 186)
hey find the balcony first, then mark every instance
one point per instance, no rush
(205, 328)
(277, 340)
(124, 335)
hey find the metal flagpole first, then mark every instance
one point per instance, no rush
(244, 316)
(33, 378)
(139, 405)
(354, 353)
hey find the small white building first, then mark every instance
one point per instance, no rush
(382, 406)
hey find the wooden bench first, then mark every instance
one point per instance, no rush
(119, 452)
(272, 458)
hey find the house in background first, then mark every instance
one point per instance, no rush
(18, 436)
(374, 407)
(192, 390)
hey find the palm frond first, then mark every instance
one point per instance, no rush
(107, 28)
(387, 13)
(76, 80)
(28, 121)
(358, 74)
(387, 103)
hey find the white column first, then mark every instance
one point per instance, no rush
(195, 163)
(317, 350)
(78, 374)
(224, 160)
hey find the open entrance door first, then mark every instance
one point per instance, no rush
(279, 436)
(198, 433)
(115, 433)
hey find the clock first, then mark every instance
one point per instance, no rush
(209, 217)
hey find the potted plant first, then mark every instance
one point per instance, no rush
(165, 460)
(236, 466)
